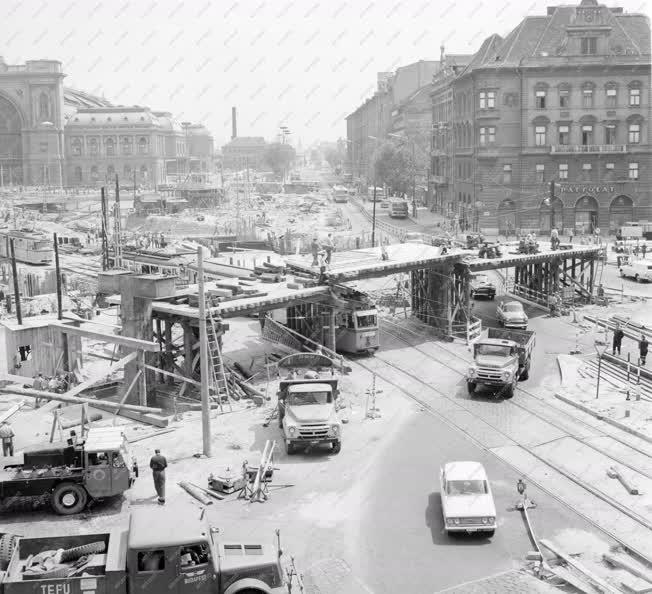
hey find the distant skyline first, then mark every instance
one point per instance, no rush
(301, 63)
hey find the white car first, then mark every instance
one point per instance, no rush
(512, 315)
(639, 271)
(466, 500)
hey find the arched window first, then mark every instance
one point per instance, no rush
(142, 146)
(110, 147)
(587, 94)
(76, 147)
(611, 94)
(126, 145)
(78, 174)
(43, 107)
(621, 210)
(93, 146)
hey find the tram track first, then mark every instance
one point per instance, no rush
(405, 377)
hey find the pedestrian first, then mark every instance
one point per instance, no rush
(329, 246)
(554, 239)
(642, 348)
(7, 435)
(570, 236)
(158, 464)
(383, 249)
(41, 385)
(618, 339)
(644, 249)
(314, 250)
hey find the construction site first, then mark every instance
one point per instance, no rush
(282, 385)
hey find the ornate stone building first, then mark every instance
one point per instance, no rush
(58, 136)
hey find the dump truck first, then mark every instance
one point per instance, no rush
(73, 473)
(162, 550)
(501, 360)
(307, 399)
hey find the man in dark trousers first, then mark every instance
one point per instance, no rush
(158, 464)
(642, 348)
(7, 437)
(618, 339)
(314, 250)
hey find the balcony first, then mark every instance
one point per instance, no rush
(587, 149)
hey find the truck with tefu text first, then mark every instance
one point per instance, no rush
(162, 550)
(72, 474)
(501, 360)
(307, 399)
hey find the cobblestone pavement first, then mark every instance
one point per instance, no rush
(508, 582)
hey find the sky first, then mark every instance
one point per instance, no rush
(304, 64)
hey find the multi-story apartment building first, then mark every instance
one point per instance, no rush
(564, 97)
(399, 105)
(58, 136)
(244, 151)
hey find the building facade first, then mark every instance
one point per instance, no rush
(51, 135)
(244, 151)
(563, 98)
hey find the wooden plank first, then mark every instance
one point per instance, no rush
(570, 578)
(132, 343)
(149, 418)
(7, 414)
(592, 577)
(16, 379)
(126, 394)
(175, 375)
(624, 563)
(148, 435)
(94, 380)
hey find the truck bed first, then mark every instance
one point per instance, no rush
(520, 337)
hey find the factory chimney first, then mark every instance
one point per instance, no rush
(234, 124)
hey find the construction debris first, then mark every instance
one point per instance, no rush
(196, 492)
(64, 563)
(614, 473)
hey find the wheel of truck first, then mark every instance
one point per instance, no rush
(290, 449)
(7, 544)
(525, 374)
(492, 296)
(69, 498)
(337, 446)
(471, 386)
(509, 391)
(490, 533)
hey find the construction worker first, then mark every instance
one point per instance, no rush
(618, 339)
(7, 435)
(329, 247)
(314, 250)
(554, 239)
(383, 249)
(642, 348)
(158, 464)
(39, 384)
(643, 251)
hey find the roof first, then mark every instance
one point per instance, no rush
(104, 439)
(465, 470)
(77, 98)
(151, 527)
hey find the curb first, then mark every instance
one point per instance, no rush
(591, 412)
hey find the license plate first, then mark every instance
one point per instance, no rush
(471, 529)
(315, 442)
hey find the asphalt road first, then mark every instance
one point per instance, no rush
(404, 547)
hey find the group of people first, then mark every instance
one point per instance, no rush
(643, 344)
(58, 383)
(322, 254)
(528, 244)
(147, 240)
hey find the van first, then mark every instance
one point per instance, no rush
(398, 209)
(640, 271)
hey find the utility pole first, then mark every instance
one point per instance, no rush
(373, 216)
(552, 204)
(414, 181)
(105, 242)
(14, 273)
(117, 232)
(64, 337)
(203, 354)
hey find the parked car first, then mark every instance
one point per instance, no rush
(481, 286)
(467, 503)
(640, 271)
(511, 315)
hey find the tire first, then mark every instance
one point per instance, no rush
(7, 544)
(88, 549)
(69, 499)
(490, 533)
(492, 296)
(526, 373)
(290, 449)
(471, 386)
(509, 391)
(337, 446)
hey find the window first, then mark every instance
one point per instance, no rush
(151, 560)
(44, 147)
(491, 99)
(634, 133)
(142, 146)
(633, 171)
(610, 169)
(563, 171)
(610, 134)
(612, 97)
(586, 171)
(564, 97)
(541, 169)
(492, 135)
(94, 147)
(483, 136)
(110, 147)
(589, 46)
(126, 146)
(635, 96)
(540, 135)
(78, 174)
(587, 135)
(540, 98)
(564, 134)
(507, 174)
(76, 147)
(483, 100)
(587, 97)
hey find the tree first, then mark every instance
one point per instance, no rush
(279, 157)
(398, 164)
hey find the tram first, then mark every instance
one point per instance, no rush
(358, 331)
(30, 247)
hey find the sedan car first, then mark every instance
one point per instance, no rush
(466, 500)
(511, 315)
(481, 286)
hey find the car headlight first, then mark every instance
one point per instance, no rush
(491, 519)
(335, 429)
(506, 375)
(456, 521)
(484, 520)
(449, 521)
(292, 430)
(472, 372)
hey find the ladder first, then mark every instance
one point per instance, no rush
(218, 384)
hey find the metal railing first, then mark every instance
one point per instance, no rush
(588, 148)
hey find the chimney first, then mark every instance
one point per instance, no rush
(442, 57)
(234, 124)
